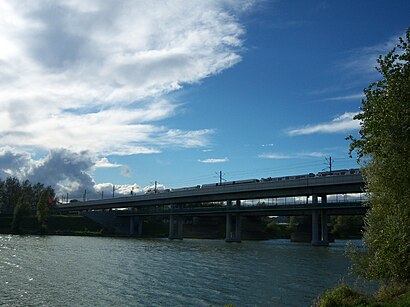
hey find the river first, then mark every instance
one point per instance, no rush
(94, 271)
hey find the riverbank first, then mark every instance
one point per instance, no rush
(74, 225)
(253, 228)
(345, 295)
(203, 228)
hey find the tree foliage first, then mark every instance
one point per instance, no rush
(22, 209)
(11, 191)
(42, 209)
(346, 226)
(384, 150)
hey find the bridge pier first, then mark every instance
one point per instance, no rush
(230, 236)
(140, 220)
(324, 220)
(178, 220)
(180, 223)
(228, 227)
(131, 233)
(171, 227)
(140, 223)
(319, 234)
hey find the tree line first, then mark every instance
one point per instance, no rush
(22, 198)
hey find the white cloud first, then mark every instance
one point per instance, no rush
(64, 170)
(105, 190)
(125, 171)
(364, 60)
(214, 160)
(274, 156)
(314, 154)
(105, 163)
(93, 75)
(346, 97)
(341, 123)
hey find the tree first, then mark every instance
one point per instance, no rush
(384, 151)
(11, 193)
(21, 210)
(346, 226)
(42, 209)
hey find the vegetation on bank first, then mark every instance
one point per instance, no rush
(56, 225)
(346, 296)
(339, 227)
(23, 199)
(384, 151)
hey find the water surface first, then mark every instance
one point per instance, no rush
(89, 271)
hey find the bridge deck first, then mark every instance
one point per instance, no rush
(352, 183)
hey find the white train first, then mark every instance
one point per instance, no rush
(340, 172)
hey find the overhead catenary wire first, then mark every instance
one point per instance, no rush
(277, 171)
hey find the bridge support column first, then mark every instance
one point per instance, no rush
(315, 228)
(238, 226)
(324, 219)
(131, 233)
(178, 220)
(180, 223)
(233, 237)
(140, 222)
(319, 234)
(171, 227)
(228, 227)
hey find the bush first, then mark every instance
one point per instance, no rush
(342, 296)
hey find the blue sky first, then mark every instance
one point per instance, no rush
(99, 93)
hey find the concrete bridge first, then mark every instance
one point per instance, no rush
(312, 196)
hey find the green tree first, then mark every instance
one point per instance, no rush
(22, 209)
(10, 194)
(293, 224)
(42, 209)
(384, 150)
(347, 226)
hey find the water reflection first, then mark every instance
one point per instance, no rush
(61, 271)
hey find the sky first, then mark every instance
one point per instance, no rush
(96, 94)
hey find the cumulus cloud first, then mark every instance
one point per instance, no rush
(14, 163)
(66, 171)
(214, 160)
(341, 123)
(94, 75)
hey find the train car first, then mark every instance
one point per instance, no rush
(209, 185)
(186, 188)
(338, 172)
(246, 181)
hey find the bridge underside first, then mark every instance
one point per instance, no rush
(131, 221)
(232, 202)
